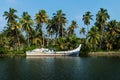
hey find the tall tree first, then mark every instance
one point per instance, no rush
(93, 37)
(26, 23)
(60, 21)
(111, 34)
(82, 30)
(16, 31)
(50, 28)
(71, 28)
(11, 18)
(101, 17)
(41, 18)
(86, 18)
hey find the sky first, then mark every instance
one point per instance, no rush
(74, 9)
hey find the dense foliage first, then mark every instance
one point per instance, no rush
(24, 33)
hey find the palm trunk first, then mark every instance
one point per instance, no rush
(87, 28)
(28, 40)
(59, 32)
(17, 39)
(101, 36)
(62, 31)
(43, 40)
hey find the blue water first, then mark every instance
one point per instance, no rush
(60, 68)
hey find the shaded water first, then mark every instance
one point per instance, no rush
(60, 68)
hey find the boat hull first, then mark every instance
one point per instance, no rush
(52, 54)
(74, 52)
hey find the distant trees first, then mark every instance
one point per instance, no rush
(82, 31)
(41, 18)
(101, 17)
(26, 23)
(86, 18)
(59, 21)
(13, 26)
(46, 32)
(93, 37)
(71, 28)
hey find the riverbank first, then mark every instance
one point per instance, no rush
(12, 55)
(114, 54)
(91, 54)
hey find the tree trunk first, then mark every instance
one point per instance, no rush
(43, 38)
(17, 40)
(102, 28)
(28, 40)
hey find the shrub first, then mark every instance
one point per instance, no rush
(84, 50)
(3, 50)
(26, 48)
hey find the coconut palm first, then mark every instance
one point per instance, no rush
(4, 41)
(11, 18)
(26, 23)
(101, 17)
(50, 28)
(71, 28)
(111, 34)
(82, 30)
(60, 21)
(93, 37)
(86, 18)
(16, 31)
(41, 18)
(71, 42)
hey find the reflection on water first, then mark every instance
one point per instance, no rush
(59, 68)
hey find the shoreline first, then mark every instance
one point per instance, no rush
(109, 54)
(7, 55)
(91, 54)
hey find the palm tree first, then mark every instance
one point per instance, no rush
(11, 18)
(60, 21)
(93, 37)
(118, 36)
(40, 18)
(87, 17)
(82, 30)
(101, 18)
(16, 31)
(111, 34)
(50, 28)
(72, 27)
(26, 23)
(4, 40)
(71, 42)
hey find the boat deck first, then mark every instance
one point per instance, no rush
(47, 54)
(44, 55)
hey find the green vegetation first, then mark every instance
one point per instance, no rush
(23, 33)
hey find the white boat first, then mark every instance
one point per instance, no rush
(48, 52)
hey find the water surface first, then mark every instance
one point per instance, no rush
(60, 68)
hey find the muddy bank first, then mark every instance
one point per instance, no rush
(7, 55)
(115, 54)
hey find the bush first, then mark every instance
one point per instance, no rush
(3, 50)
(26, 48)
(17, 52)
(84, 50)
